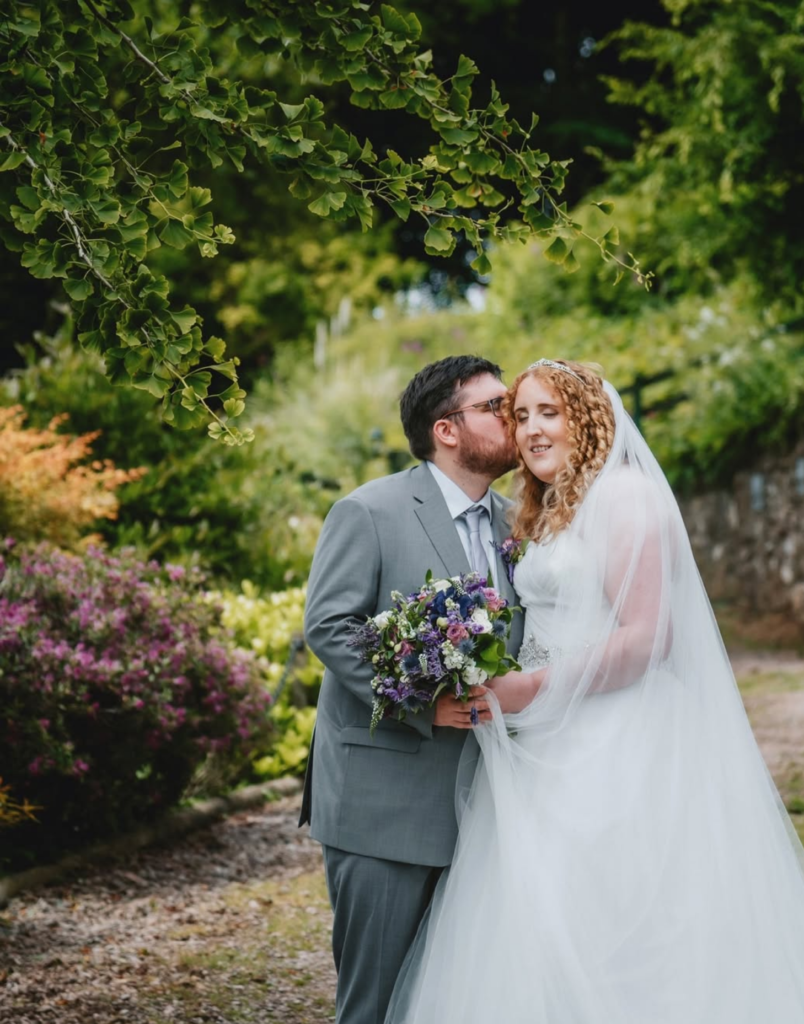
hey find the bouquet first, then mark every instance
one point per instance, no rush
(449, 635)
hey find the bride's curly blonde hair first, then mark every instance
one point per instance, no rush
(545, 509)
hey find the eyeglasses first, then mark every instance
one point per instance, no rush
(492, 405)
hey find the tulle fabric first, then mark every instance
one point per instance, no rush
(623, 856)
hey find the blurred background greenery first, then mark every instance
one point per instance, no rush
(685, 114)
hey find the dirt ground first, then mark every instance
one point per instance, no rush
(772, 685)
(231, 925)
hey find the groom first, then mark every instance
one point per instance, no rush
(384, 807)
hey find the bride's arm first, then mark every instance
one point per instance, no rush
(637, 542)
(515, 690)
(637, 587)
(638, 535)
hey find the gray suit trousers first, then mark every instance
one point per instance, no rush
(378, 906)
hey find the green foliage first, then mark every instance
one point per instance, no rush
(340, 426)
(245, 511)
(273, 627)
(279, 294)
(110, 110)
(291, 750)
(730, 367)
(719, 166)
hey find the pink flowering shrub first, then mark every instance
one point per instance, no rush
(117, 682)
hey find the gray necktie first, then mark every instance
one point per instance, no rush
(477, 554)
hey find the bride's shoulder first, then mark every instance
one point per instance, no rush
(626, 493)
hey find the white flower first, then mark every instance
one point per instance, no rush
(474, 676)
(481, 617)
(706, 315)
(439, 585)
(452, 657)
(383, 619)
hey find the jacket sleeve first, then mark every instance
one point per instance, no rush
(343, 590)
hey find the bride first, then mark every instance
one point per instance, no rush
(623, 855)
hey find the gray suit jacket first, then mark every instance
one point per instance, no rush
(391, 796)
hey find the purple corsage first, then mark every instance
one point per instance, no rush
(511, 552)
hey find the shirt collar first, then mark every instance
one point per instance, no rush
(457, 500)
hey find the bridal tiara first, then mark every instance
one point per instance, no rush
(556, 366)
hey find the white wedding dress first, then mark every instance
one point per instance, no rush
(623, 855)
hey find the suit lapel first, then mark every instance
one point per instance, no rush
(433, 514)
(437, 523)
(500, 530)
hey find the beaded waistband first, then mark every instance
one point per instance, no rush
(532, 654)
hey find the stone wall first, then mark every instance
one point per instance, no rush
(749, 540)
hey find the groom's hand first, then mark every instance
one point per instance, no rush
(457, 714)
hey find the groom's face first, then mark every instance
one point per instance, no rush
(484, 445)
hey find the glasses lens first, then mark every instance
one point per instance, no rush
(496, 405)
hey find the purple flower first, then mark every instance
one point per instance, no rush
(511, 552)
(456, 632)
(434, 667)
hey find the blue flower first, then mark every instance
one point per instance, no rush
(438, 606)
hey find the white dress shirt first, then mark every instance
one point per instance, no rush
(457, 503)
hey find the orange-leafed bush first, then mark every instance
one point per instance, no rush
(48, 489)
(12, 812)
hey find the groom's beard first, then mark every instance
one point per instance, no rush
(478, 454)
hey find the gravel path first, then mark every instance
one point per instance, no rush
(231, 926)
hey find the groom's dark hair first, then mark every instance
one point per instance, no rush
(435, 391)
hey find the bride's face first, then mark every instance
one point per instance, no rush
(541, 428)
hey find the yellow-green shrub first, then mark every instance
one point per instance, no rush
(272, 625)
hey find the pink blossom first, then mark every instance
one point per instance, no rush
(456, 632)
(493, 600)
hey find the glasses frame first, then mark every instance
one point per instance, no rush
(494, 406)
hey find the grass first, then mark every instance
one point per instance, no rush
(296, 910)
(748, 630)
(761, 683)
(262, 971)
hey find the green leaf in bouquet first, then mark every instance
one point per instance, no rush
(441, 687)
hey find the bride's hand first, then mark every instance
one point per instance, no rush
(516, 690)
